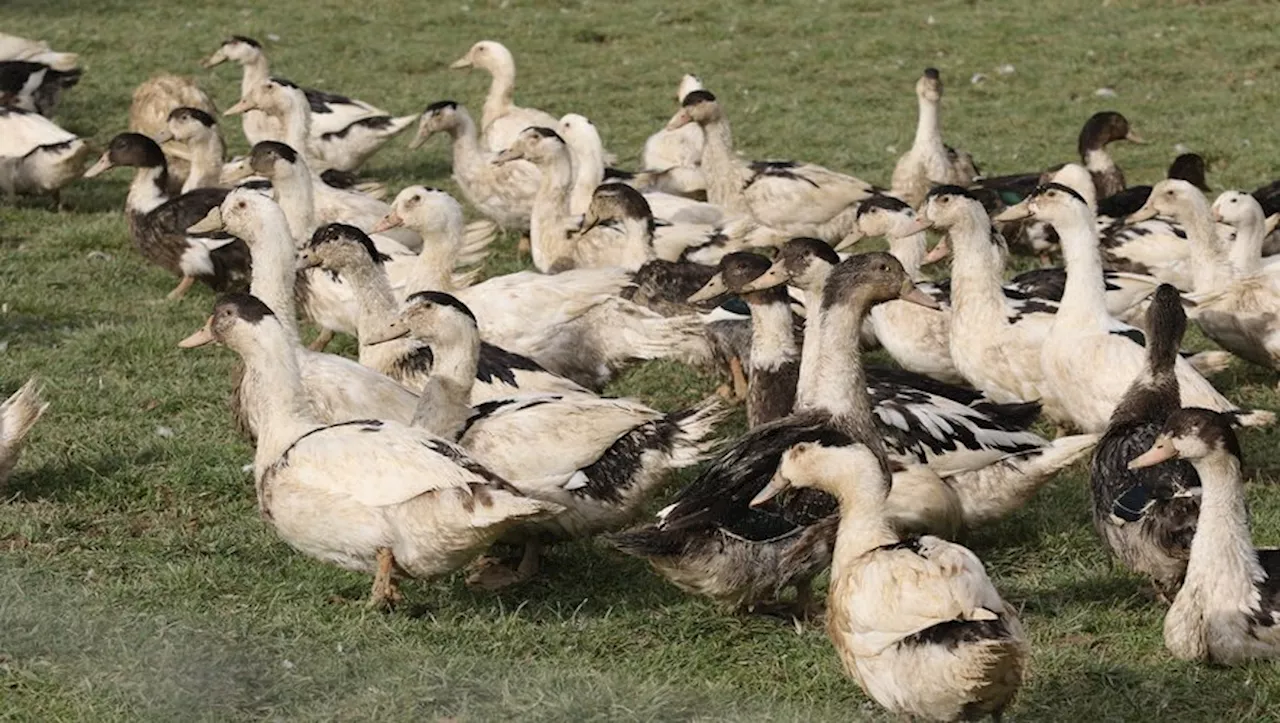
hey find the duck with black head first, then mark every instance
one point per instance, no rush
(1228, 610)
(158, 224)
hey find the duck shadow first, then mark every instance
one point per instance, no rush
(1116, 591)
(44, 329)
(63, 482)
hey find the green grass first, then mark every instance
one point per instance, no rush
(136, 579)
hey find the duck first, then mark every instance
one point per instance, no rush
(916, 621)
(1147, 516)
(37, 156)
(1236, 301)
(1247, 227)
(502, 192)
(583, 327)
(1189, 167)
(434, 509)
(1084, 338)
(674, 157)
(34, 86)
(18, 414)
(13, 47)
(586, 152)
(612, 454)
(197, 131)
(710, 543)
(335, 388)
(344, 148)
(152, 102)
(929, 162)
(158, 224)
(1229, 605)
(792, 198)
(501, 120)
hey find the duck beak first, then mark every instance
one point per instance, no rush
(1016, 212)
(1162, 451)
(775, 276)
(679, 120)
(507, 156)
(420, 137)
(460, 63)
(163, 137)
(777, 485)
(388, 222)
(851, 239)
(389, 332)
(590, 221)
(918, 225)
(911, 293)
(1217, 214)
(212, 221)
(235, 171)
(244, 105)
(202, 337)
(307, 260)
(217, 58)
(1142, 214)
(939, 252)
(1272, 221)
(1134, 138)
(104, 164)
(714, 287)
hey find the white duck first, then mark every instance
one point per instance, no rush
(36, 155)
(344, 149)
(916, 621)
(503, 192)
(501, 119)
(197, 132)
(1228, 610)
(336, 388)
(13, 47)
(433, 509)
(611, 454)
(18, 414)
(1089, 358)
(929, 162)
(674, 157)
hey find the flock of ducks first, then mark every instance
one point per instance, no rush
(472, 415)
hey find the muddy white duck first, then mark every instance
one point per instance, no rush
(158, 224)
(1236, 299)
(1147, 516)
(344, 149)
(197, 132)
(1229, 605)
(501, 120)
(792, 198)
(611, 454)
(37, 156)
(18, 414)
(34, 86)
(434, 509)
(676, 155)
(1085, 339)
(13, 47)
(929, 162)
(152, 102)
(336, 388)
(916, 622)
(503, 192)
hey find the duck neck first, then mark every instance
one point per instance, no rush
(910, 251)
(547, 227)
(501, 92)
(206, 163)
(588, 174)
(274, 272)
(466, 143)
(637, 240)
(1210, 269)
(810, 351)
(296, 119)
(1108, 180)
(928, 128)
(147, 191)
(724, 187)
(275, 383)
(773, 343)
(1154, 394)
(1246, 251)
(864, 526)
(839, 384)
(296, 197)
(256, 72)
(433, 270)
(977, 278)
(374, 295)
(455, 363)
(1084, 296)
(1223, 563)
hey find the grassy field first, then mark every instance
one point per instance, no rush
(136, 579)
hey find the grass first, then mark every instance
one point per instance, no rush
(136, 580)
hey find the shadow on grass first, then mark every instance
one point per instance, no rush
(62, 482)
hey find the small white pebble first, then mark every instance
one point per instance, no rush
(287, 664)
(1006, 69)
(1157, 34)
(1249, 81)
(4, 308)
(190, 24)
(1246, 142)
(273, 37)
(1181, 148)
(4, 346)
(930, 21)
(166, 432)
(339, 648)
(246, 468)
(890, 149)
(977, 78)
(99, 256)
(1089, 54)
(246, 12)
(1105, 93)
